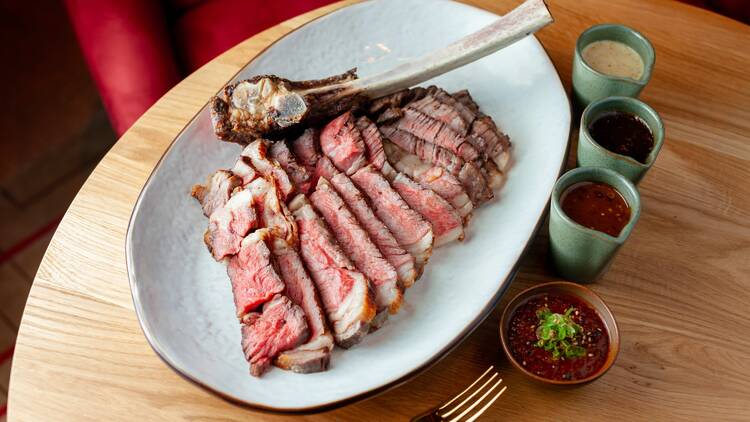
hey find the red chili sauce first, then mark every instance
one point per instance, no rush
(522, 337)
(623, 133)
(597, 206)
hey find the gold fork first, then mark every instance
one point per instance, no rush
(447, 412)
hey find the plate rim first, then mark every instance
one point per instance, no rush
(436, 358)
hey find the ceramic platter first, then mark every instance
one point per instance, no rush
(183, 298)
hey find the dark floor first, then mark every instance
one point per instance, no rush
(31, 204)
(54, 131)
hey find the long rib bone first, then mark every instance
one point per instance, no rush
(268, 105)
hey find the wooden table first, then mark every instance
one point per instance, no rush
(679, 288)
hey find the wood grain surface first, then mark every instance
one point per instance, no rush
(679, 288)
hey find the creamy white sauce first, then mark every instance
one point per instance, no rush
(613, 58)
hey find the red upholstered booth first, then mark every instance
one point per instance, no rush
(138, 49)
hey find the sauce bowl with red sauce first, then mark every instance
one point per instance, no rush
(593, 211)
(598, 337)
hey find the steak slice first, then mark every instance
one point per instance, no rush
(408, 227)
(483, 127)
(280, 326)
(465, 98)
(229, 224)
(306, 150)
(299, 175)
(257, 152)
(467, 173)
(243, 168)
(343, 144)
(436, 132)
(315, 354)
(497, 143)
(272, 212)
(443, 112)
(433, 177)
(253, 276)
(401, 260)
(395, 100)
(426, 151)
(467, 114)
(216, 192)
(373, 140)
(447, 225)
(356, 243)
(345, 292)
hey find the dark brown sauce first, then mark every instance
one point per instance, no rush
(597, 206)
(623, 133)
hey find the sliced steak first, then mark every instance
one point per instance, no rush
(401, 260)
(243, 169)
(229, 224)
(305, 148)
(411, 231)
(467, 173)
(315, 354)
(342, 143)
(257, 152)
(300, 177)
(492, 174)
(442, 107)
(497, 143)
(216, 192)
(445, 113)
(447, 225)
(280, 326)
(356, 243)
(426, 151)
(436, 132)
(395, 100)
(465, 98)
(272, 212)
(373, 140)
(253, 276)
(467, 114)
(345, 292)
(477, 186)
(436, 178)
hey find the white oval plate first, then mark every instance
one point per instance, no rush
(183, 298)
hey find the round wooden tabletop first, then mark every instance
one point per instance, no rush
(679, 286)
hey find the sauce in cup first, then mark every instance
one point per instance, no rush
(597, 206)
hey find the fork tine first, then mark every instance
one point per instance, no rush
(460, 405)
(467, 389)
(480, 411)
(479, 400)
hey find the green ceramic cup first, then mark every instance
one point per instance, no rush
(590, 85)
(581, 254)
(591, 154)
